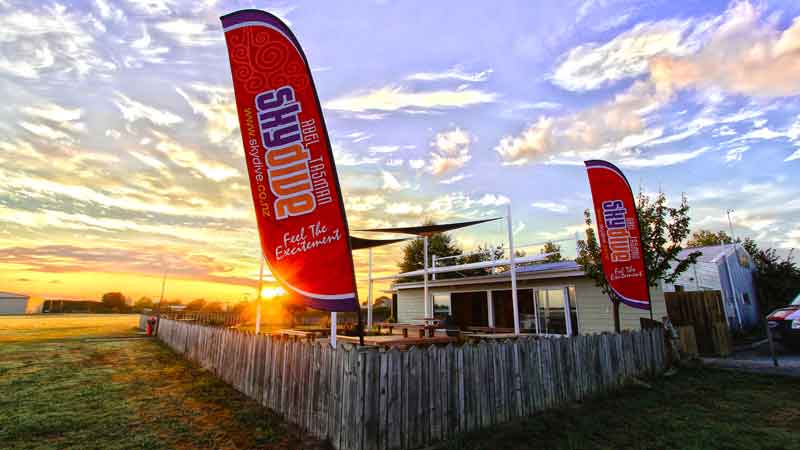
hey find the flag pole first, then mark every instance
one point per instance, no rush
(513, 267)
(258, 298)
(333, 329)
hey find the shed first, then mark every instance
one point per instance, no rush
(559, 296)
(728, 269)
(11, 303)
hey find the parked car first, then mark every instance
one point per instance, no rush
(784, 323)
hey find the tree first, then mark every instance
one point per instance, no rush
(554, 250)
(213, 307)
(777, 279)
(196, 305)
(484, 252)
(143, 303)
(439, 244)
(663, 228)
(706, 238)
(114, 301)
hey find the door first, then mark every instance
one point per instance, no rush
(556, 311)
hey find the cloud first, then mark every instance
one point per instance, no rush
(51, 41)
(145, 51)
(217, 106)
(191, 34)
(494, 200)
(365, 203)
(46, 132)
(455, 178)
(149, 260)
(394, 162)
(551, 206)
(662, 160)
(453, 73)
(744, 55)
(383, 148)
(153, 7)
(416, 163)
(192, 160)
(403, 208)
(132, 111)
(108, 11)
(451, 151)
(735, 52)
(395, 98)
(391, 183)
(345, 158)
(53, 112)
(592, 66)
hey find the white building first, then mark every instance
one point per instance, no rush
(11, 303)
(558, 295)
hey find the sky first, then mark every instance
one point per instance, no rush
(120, 152)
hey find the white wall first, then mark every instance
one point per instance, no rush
(595, 311)
(13, 306)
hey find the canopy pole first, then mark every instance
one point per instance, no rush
(428, 305)
(333, 329)
(258, 297)
(369, 291)
(513, 267)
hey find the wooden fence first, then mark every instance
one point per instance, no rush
(368, 398)
(702, 310)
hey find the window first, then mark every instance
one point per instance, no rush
(441, 305)
(746, 298)
(679, 288)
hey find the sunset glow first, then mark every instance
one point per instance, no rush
(121, 155)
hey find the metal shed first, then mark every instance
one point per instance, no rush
(728, 269)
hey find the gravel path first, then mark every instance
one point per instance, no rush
(759, 360)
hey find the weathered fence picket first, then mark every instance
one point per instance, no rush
(373, 399)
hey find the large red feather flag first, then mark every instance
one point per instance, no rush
(619, 234)
(299, 209)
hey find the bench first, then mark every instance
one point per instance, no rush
(421, 329)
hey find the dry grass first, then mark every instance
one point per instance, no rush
(59, 390)
(61, 327)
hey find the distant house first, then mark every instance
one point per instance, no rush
(558, 295)
(725, 268)
(11, 303)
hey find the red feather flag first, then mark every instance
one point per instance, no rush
(619, 234)
(296, 194)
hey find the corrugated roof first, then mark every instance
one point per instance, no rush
(709, 254)
(543, 267)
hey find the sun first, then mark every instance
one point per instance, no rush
(270, 292)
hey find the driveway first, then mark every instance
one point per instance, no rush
(759, 360)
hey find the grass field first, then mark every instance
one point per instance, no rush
(60, 390)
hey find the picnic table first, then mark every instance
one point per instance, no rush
(404, 327)
(300, 334)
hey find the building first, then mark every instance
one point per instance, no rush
(11, 303)
(559, 296)
(728, 269)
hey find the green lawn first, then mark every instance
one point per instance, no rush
(119, 394)
(695, 409)
(59, 390)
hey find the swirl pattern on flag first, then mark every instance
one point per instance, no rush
(299, 209)
(619, 234)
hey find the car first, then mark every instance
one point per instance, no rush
(784, 323)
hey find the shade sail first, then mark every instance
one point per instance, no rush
(430, 229)
(357, 243)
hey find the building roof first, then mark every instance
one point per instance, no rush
(710, 254)
(13, 295)
(533, 271)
